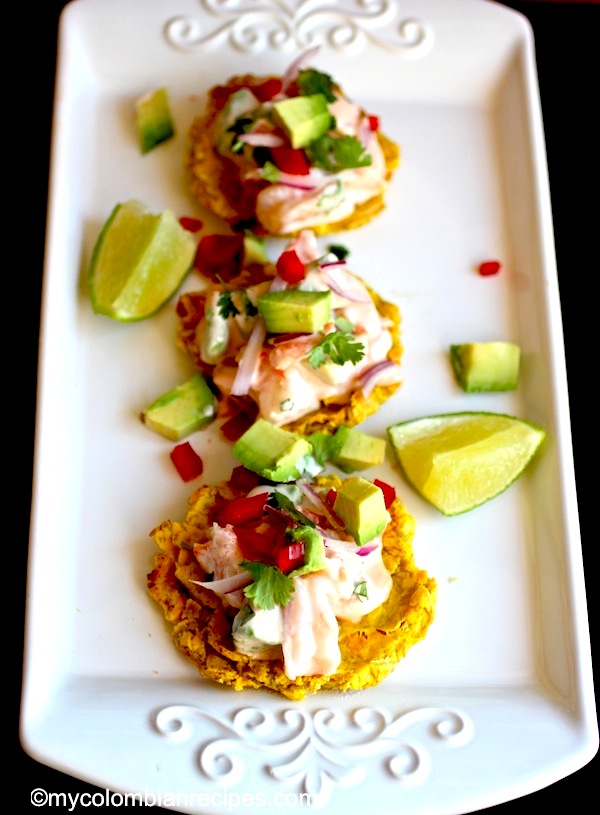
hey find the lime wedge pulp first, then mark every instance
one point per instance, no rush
(458, 461)
(138, 263)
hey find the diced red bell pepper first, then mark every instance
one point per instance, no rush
(290, 160)
(389, 492)
(243, 480)
(241, 195)
(255, 273)
(219, 257)
(234, 428)
(264, 92)
(261, 544)
(373, 123)
(292, 89)
(489, 267)
(241, 404)
(243, 411)
(190, 309)
(255, 545)
(290, 556)
(187, 462)
(289, 267)
(191, 224)
(243, 511)
(268, 89)
(330, 498)
(220, 94)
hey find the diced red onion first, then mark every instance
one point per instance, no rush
(370, 376)
(312, 495)
(348, 547)
(296, 182)
(294, 185)
(316, 499)
(249, 360)
(331, 264)
(298, 64)
(278, 284)
(227, 584)
(261, 139)
(305, 246)
(366, 550)
(365, 133)
(335, 286)
(307, 183)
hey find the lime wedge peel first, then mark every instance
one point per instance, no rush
(458, 461)
(139, 261)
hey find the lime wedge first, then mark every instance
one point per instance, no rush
(138, 263)
(457, 461)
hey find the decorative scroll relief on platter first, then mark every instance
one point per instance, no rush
(313, 751)
(346, 26)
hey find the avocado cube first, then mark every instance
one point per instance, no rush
(273, 452)
(182, 410)
(295, 310)
(357, 450)
(304, 118)
(486, 366)
(255, 250)
(361, 506)
(154, 119)
(315, 558)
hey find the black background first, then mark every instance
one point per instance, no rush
(567, 39)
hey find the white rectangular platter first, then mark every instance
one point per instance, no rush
(498, 700)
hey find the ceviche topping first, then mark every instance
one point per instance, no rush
(295, 149)
(290, 336)
(293, 570)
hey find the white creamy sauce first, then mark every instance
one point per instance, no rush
(284, 384)
(286, 387)
(283, 209)
(349, 587)
(307, 628)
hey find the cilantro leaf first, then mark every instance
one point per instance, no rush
(339, 347)
(270, 172)
(335, 153)
(271, 587)
(311, 81)
(226, 306)
(361, 591)
(249, 306)
(280, 501)
(241, 125)
(341, 252)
